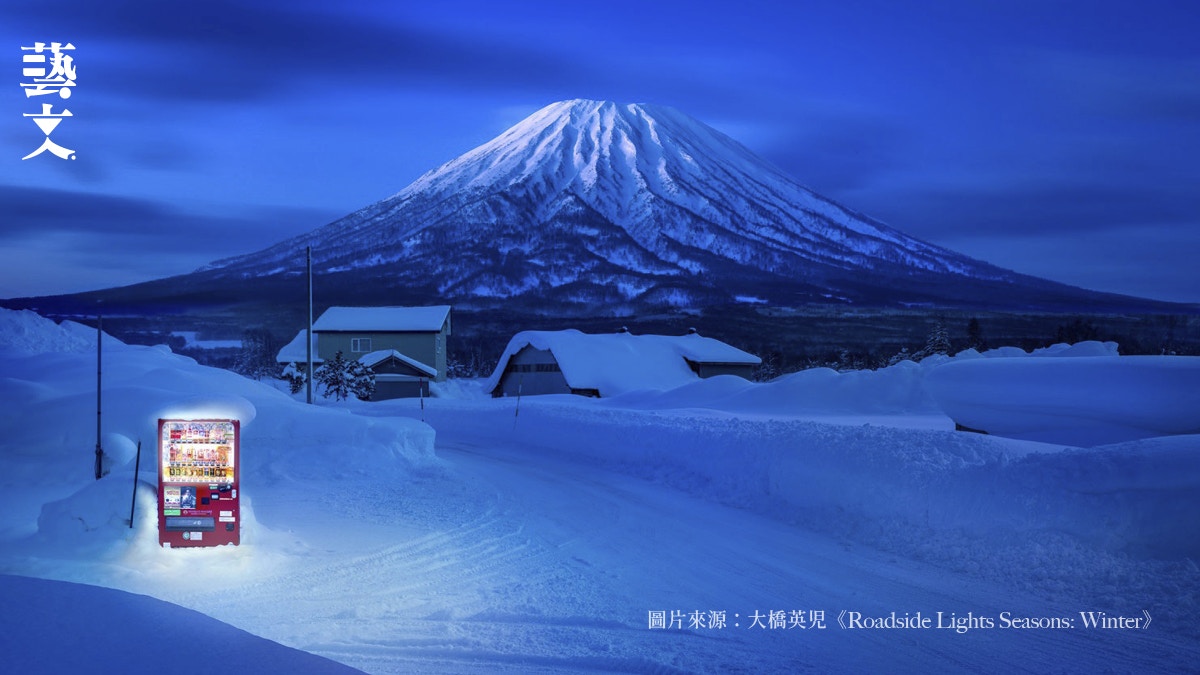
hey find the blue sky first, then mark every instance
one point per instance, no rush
(1055, 138)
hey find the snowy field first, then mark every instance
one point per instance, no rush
(475, 535)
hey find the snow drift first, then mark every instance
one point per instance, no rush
(1082, 395)
(1079, 401)
(113, 631)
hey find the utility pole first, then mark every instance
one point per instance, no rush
(137, 467)
(308, 332)
(99, 352)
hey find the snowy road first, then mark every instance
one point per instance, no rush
(518, 559)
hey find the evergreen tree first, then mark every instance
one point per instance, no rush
(899, 356)
(334, 377)
(975, 339)
(294, 377)
(1077, 331)
(937, 342)
(341, 378)
(362, 380)
(769, 368)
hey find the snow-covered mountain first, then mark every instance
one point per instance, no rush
(599, 205)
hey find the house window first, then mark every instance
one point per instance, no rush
(360, 345)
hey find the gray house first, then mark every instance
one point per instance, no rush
(405, 346)
(571, 362)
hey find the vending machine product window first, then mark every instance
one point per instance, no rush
(198, 476)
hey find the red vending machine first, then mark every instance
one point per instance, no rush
(198, 482)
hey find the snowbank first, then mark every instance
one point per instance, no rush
(894, 390)
(61, 627)
(1083, 401)
(26, 332)
(1082, 394)
(459, 388)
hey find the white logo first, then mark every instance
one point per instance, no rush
(54, 75)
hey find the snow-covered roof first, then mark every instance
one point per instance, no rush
(294, 352)
(613, 363)
(376, 357)
(383, 319)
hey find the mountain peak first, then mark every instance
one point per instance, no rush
(557, 143)
(617, 157)
(627, 161)
(608, 206)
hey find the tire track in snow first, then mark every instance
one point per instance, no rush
(415, 587)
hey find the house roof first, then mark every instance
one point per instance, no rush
(383, 319)
(294, 352)
(376, 357)
(612, 363)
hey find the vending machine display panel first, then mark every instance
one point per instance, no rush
(198, 475)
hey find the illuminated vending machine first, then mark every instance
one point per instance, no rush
(198, 483)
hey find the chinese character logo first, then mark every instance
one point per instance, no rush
(48, 69)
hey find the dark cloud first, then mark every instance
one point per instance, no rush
(222, 50)
(1148, 260)
(37, 211)
(61, 242)
(1140, 88)
(139, 226)
(1018, 209)
(54, 241)
(838, 152)
(158, 54)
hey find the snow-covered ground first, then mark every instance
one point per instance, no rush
(63, 627)
(469, 534)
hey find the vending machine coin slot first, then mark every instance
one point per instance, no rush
(189, 524)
